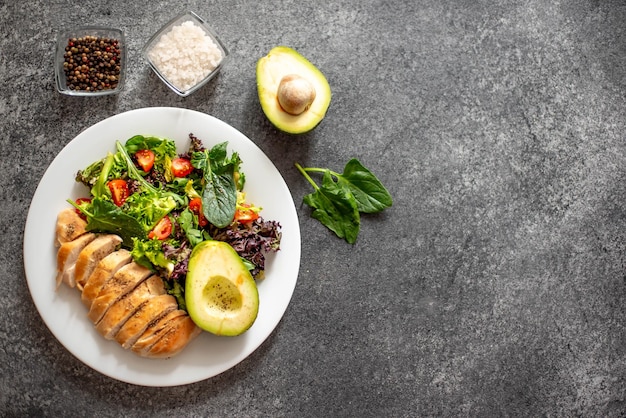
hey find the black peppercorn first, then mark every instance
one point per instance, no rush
(97, 58)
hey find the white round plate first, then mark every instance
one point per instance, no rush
(62, 310)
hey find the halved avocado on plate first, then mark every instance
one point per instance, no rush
(220, 293)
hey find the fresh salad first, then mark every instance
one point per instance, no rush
(162, 204)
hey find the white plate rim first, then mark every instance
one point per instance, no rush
(62, 311)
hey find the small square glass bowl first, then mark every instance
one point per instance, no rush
(185, 53)
(100, 71)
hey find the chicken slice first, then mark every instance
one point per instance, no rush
(69, 226)
(123, 281)
(103, 272)
(66, 258)
(91, 255)
(146, 316)
(124, 308)
(182, 331)
(155, 331)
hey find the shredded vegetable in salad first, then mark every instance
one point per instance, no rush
(162, 204)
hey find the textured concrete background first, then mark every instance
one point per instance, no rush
(495, 285)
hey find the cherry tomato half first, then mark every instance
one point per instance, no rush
(145, 159)
(195, 205)
(181, 167)
(244, 215)
(162, 230)
(119, 191)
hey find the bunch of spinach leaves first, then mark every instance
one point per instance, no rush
(342, 197)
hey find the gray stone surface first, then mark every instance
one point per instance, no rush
(494, 286)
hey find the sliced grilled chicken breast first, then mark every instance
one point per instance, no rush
(155, 331)
(147, 316)
(103, 272)
(92, 254)
(123, 309)
(181, 331)
(69, 226)
(125, 301)
(123, 281)
(66, 258)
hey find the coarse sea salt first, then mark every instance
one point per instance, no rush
(185, 55)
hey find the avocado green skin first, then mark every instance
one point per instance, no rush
(270, 69)
(221, 295)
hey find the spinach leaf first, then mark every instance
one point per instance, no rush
(139, 142)
(335, 207)
(219, 195)
(369, 192)
(338, 203)
(219, 198)
(217, 156)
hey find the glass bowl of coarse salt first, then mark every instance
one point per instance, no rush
(185, 53)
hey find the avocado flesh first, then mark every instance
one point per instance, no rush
(220, 293)
(270, 70)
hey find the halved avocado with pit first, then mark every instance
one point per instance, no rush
(220, 293)
(294, 94)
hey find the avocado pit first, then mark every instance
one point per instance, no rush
(295, 94)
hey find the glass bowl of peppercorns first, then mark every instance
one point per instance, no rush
(90, 61)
